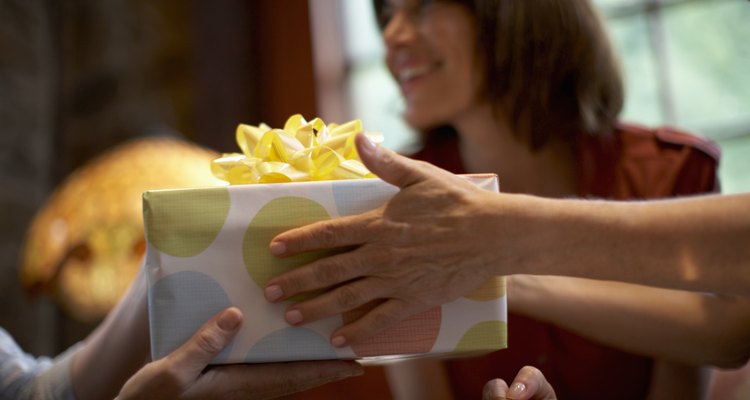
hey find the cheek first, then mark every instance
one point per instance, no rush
(443, 100)
(466, 79)
(461, 52)
(418, 120)
(466, 68)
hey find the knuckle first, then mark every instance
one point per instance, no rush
(381, 320)
(301, 280)
(331, 273)
(375, 226)
(167, 372)
(170, 373)
(327, 236)
(347, 298)
(293, 283)
(387, 157)
(210, 341)
(421, 164)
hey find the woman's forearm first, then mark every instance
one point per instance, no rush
(686, 327)
(670, 380)
(116, 349)
(700, 243)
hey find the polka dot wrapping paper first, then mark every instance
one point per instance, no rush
(208, 249)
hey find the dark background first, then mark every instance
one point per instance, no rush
(78, 77)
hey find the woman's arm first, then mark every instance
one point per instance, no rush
(440, 237)
(116, 349)
(687, 327)
(697, 243)
(679, 330)
(672, 380)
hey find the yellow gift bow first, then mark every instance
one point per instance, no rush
(302, 151)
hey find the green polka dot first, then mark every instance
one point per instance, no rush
(484, 336)
(183, 223)
(277, 216)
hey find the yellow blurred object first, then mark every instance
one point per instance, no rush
(85, 245)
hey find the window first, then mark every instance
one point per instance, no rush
(685, 64)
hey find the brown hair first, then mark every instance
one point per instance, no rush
(550, 63)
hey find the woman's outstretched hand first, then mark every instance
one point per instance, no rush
(427, 246)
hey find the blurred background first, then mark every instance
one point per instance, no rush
(80, 77)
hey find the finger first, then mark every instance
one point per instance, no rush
(328, 234)
(531, 384)
(266, 381)
(336, 301)
(319, 274)
(387, 165)
(381, 317)
(494, 390)
(210, 339)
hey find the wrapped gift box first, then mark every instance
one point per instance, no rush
(208, 249)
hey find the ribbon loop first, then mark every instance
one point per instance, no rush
(302, 151)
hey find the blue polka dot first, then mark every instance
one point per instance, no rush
(357, 196)
(179, 304)
(291, 344)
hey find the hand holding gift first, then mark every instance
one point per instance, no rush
(405, 255)
(182, 374)
(208, 249)
(509, 234)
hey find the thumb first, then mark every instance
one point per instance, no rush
(387, 165)
(193, 356)
(494, 389)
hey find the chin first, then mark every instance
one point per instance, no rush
(422, 121)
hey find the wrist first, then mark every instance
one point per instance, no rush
(523, 234)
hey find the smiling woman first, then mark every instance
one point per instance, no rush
(682, 59)
(531, 91)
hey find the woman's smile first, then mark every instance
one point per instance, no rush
(430, 51)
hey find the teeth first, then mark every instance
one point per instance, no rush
(411, 73)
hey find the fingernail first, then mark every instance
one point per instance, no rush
(230, 319)
(277, 248)
(516, 390)
(273, 293)
(293, 317)
(367, 144)
(496, 389)
(338, 341)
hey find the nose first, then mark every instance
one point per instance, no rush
(399, 30)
